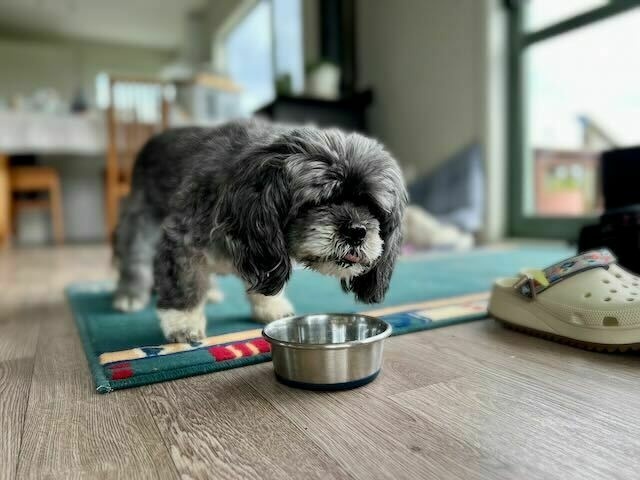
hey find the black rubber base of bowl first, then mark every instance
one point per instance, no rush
(328, 386)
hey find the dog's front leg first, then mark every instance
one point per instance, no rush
(214, 294)
(180, 277)
(266, 308)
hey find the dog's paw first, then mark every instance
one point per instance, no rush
(185, 336)
(130, 303)
(183, 326)
(215, 296)
(268, 309)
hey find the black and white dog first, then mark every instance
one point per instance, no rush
(247, 198)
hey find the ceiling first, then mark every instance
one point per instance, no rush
(148, 23)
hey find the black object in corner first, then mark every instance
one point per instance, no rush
(619, 231)
(346, 113)
(619, 226)
(620, 171)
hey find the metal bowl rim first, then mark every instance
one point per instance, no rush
(328, 346)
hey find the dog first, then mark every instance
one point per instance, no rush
(250, 198)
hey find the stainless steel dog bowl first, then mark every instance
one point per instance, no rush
(327, 352)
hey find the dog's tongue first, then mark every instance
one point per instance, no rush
(350, 257)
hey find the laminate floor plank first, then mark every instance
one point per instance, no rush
(72, 431)
(370, 437)
(217, 426)
(18, 339)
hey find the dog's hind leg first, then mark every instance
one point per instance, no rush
(135, 244)
(180, 273)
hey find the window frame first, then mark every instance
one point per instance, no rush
(521, 224)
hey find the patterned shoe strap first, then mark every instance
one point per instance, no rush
(534, 282)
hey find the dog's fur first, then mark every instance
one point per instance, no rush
(247, 198)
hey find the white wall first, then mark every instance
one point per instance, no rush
(30, 64)
(434, 79)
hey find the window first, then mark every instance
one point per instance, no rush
(543, 13)
(265, 44)
(139, 99)
(289, 57)
(574, 93)
(248, 57)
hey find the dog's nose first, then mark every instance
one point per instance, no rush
(355, 234)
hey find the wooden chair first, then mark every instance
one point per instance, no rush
(5, 201)
(138, 109)
(37, 180)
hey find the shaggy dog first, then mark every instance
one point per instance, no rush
(248, 198)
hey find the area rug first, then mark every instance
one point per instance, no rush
(427, 291)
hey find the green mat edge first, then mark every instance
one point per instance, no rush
(103, 385)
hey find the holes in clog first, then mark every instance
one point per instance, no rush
(607, 299)
(630, 299)
(613, 290)
(610, 322)
(587, 295)
(625, 286)
(605, 280)
(618, 275)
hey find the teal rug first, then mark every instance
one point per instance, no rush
(126, 350)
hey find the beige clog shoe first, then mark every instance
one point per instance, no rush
(587, 301)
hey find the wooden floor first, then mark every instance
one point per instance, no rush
(472, 401)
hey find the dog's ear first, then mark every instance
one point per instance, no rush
(383, 190)
(252, 213)
(372, 286)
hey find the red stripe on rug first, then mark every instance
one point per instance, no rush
(221, 353)
(261, 344)
(246, 351)
(121, 371)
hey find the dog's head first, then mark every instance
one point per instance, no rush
(333, 202)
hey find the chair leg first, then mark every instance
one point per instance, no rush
(14, 218)
(5, 202)
(56, 213)
(111, 207)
